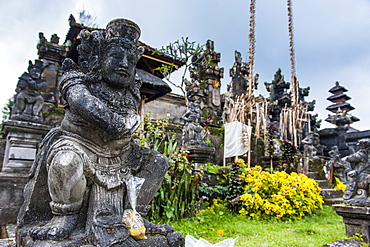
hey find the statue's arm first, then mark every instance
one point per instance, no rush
(93, 110)
(354, 158)
(40, 84)
(22, 83)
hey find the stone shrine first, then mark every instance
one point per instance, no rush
(24, 131)
(206, 82)
(79, 189)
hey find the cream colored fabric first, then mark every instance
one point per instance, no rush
(237, 136)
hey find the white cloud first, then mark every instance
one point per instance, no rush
(331, 37)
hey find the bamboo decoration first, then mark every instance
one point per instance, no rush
(246, 108)
(292, 121)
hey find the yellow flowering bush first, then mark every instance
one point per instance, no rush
(339, 184)
(278, 195)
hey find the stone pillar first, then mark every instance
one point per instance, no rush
(23, 139)
(200, 155)
(22, 142)
(356, 220)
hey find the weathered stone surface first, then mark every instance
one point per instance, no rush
(23, 139)
(356, 220)
(238, 73)
(7, 242)
(345, 243)
(11, 196)
(22, 142)
(205, 84)
(171, 106)
(199, 155)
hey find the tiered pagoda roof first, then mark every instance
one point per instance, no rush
(340, 105)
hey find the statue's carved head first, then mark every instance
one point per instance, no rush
(111, 55)
(364, 144)
(36, 69)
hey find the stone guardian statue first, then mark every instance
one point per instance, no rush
(358, 176)
(77, 193)
(28, 101)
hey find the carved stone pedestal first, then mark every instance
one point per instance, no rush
(23, 140)
(199, 155)
(356, 219)
(11, 196)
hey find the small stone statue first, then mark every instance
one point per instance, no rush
(309, 151)
(194, 92)
(78, 193)
(335, 166)
(358, 176)
(194, 133)
(28, 101)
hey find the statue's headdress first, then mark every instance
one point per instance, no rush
(118, 31)
(122, 28)
(38, 65)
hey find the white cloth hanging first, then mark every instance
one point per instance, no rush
(237, 139)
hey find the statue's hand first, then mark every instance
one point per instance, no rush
(352, 173)
(121, 126)
(132, 123)
(32, 83)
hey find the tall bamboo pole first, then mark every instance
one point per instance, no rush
(252, 46)
(294, 82)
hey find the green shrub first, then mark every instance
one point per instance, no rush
(176, 197)
(177, 194)
(278, 195)
(235, 185)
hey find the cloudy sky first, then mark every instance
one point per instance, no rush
(332, 38)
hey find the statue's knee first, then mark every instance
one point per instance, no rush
(66, 179)
(66, 162)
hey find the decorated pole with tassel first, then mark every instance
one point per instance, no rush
(294, 81)
(252, 50)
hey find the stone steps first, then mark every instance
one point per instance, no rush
(331, 193)
(313, 175)
(331, 196)
(332, 201)
(324, 184)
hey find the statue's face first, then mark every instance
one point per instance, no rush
(118, 66)
(35, 73)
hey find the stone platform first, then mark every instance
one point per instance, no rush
(356, 220)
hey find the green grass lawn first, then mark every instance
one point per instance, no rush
(314, 230)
